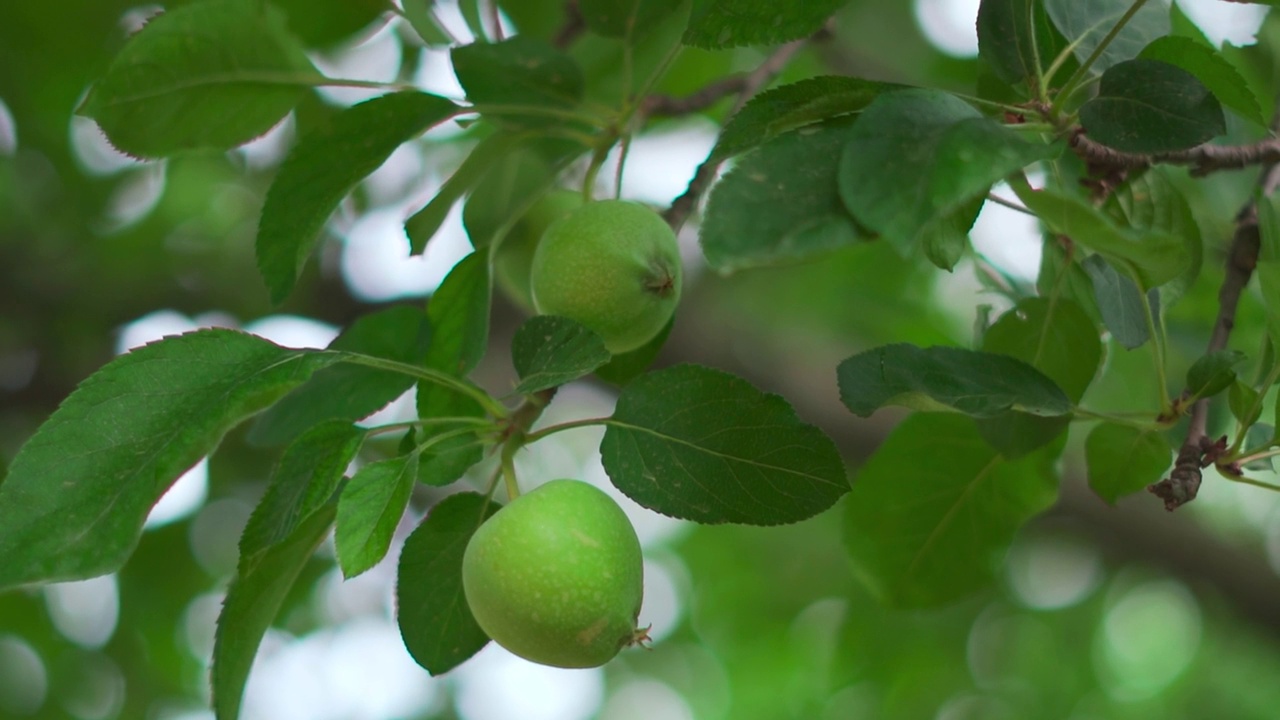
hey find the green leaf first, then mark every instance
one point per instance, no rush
(1260, 435)
(1151, 202)
(717, 24)
(459, 316)
(369, 510)
(1016, 38)
(1148, 106)
(790, 107)
(79, 491)
(347, 391)
(425, 23)
(253, 601)
(1213, 372)
(1060, 276)
(1154, 257)
(518, 71)
(423, 224)
(979, 384)
(779, 204)
(512, 185)
(1268, 274)
(304, 480)
(1120, 302)
(703, 445)
(1244, 403)
(914, 157)
(1058, 339)
(213, 74)
(1210, 68)
(1087, 22)
(945, 240)
(324, 166)
(447, 458)
(625, 18)
(325, 23)
(1124, 460)
(934, 510)
(435, 621)
(624, 368)
(549, 351)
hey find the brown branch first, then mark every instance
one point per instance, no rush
(1203, 159)
(751, 84)
(574, 26)
(667, 106)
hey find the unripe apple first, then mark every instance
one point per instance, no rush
(556, 576)
(613, 266)
(514, 259)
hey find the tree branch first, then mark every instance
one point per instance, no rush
(574, 26)
(1203, 159)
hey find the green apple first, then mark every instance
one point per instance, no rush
(613, 266)
(514, 259)
(556, 576)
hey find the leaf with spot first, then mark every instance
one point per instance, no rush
(1148, 106)
(549, 351)
(700, 444)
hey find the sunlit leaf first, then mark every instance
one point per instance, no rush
(369, 510)
(549, 351)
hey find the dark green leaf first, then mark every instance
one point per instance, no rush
(518, 71)
(253, 600)
(933, 511)
(625, 18)
(348, 391)
(1060, 276)
(1154, 257)
(549, 351)
(1244, 403)
(459, 316)
(79, 491)
(1223, 80)
(435, 622)
(1086, 22)
(1148, 106)
(979, 384)
(779, 204)
(1016, 39)
(369, 510)
(703, 445)
(1212, 373)
(1124, 460)
(425, 23)
(213, 74)
(945, 240)
(423, 224)
(1120, 302)
(1151, 202)
(324, 23)
(623, 368)
(914, 157)
(305, 479)
(447, 458)
(790, 107)
(719, 24)
(323, 167)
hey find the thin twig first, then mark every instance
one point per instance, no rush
(753, 83)
(1198, 451)
(574, 25)
(667, 106)
(1203, 159)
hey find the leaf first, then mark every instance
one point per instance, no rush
(1268, 273)
(1016, 38)
(324, 166)
(303, 482)
(1211, 69)
(1120, 302)
(1124, 460)
(1060, 276)
(459, 316)
(979, 384)
(369, 510)
(252, 602)
(1244, 403)
(1261, 435)
(423, 224)
(945, 240)
(703, 445)
(1058, 339)
(624, 368)
(1154, 257)
(447, 458)
(348, 391)
(779, 204)
(549, 351)
(790, 107)
(512, 185)
(1086, 22)
(328, 22)
(425, 23)
(518, 71)
(1147, 106)
(214, 74)
(934, 510)
(1213, 372)
(431, 608)
(914, 157)
(78, 492)
(1151, 202)
(625, 18)
(717, 24)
